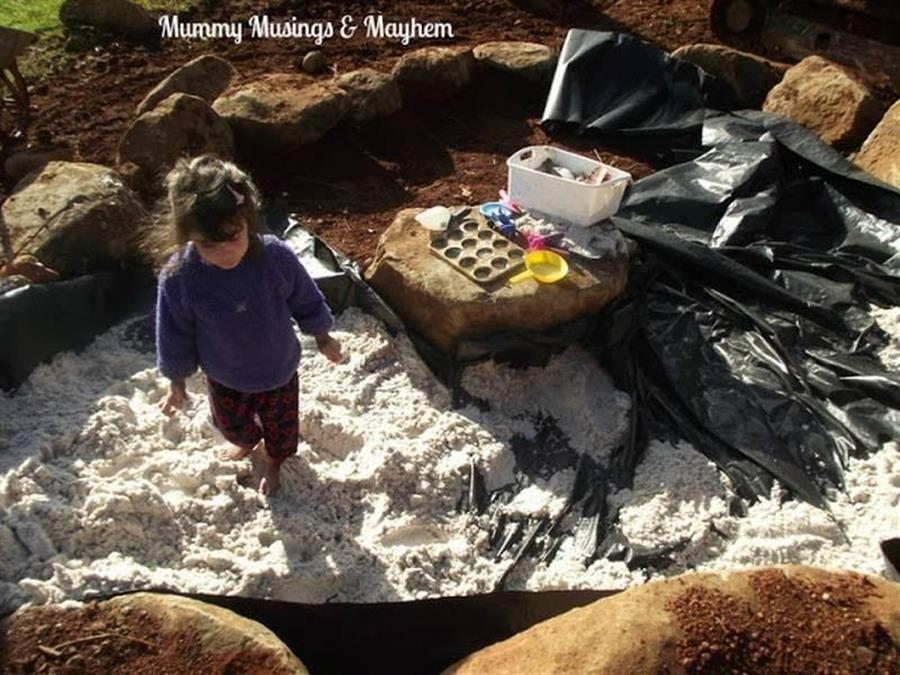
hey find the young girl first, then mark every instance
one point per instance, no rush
(225, 303)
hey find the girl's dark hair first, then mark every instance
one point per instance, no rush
(205, 195)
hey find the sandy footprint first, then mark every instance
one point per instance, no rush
(329, 437)
(414, 534)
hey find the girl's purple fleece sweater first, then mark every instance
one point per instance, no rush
(236, 324)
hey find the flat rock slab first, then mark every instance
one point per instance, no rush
(281, 111)
(433, 73)
(768, 620)
(141, 633)
(528, 60)
(445, 306)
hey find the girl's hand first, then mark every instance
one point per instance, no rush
(175, 400)
(329, 348)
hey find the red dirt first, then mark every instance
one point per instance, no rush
(348, 187)
(90, 107)
(98, 638)
(792, 626)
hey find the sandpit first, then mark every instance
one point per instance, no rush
(100, 493)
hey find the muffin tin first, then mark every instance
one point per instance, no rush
(476, 250)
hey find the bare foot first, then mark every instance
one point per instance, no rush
(237, 453)
(271, 479)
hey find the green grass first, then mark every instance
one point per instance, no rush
(42, 17)
(30, 15)
(165, 5)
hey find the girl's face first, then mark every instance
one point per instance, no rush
(225, 254)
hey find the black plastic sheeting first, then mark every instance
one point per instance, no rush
(39, 321)
(745, 329)
(404, 638)
(615, 84)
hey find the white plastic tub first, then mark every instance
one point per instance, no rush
(563, 198)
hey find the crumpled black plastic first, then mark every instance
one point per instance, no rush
(748, 331)
(616, 84)
(755, 342)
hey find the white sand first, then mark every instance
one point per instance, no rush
(99, 492)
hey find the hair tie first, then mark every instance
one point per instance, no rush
(238, 197)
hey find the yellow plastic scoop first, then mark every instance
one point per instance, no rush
(545, 266)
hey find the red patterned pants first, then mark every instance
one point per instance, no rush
(245, 418)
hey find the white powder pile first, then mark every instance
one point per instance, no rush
(679, 497)
(99, 492)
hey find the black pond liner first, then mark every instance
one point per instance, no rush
(418, 637)
(39, 321)
(745, 328)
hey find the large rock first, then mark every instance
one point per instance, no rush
(142, 632)
(775, 620)
(880, 154)
(826, 99)
(528, 60)
(282, 111)
(750, 76)
(444, 306)
(119, 17)
(74, 217)
(433, 73)
(181, 125)
(372, 94)
(206, 76)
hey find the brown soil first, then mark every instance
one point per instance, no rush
(99, 638)
(793, 626)
(348, 187)
(90, 107)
